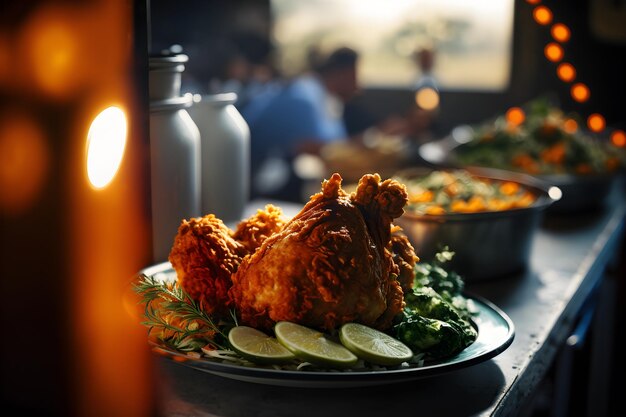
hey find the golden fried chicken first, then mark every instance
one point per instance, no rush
(330, 264)
(206, 253)
(404, 257)
(253, 231)
(205, 256)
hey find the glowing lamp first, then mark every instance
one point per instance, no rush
(566, 72)
(560, 32)
(554, 52)
(596, 122)
(580, 92)
(542, 15)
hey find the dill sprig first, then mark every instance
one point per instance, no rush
(182, 322)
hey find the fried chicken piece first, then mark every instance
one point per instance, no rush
(205, 256)
(404, 257)
(253, 231)
(330, 264)
(206, 253)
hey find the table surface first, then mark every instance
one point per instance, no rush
(568, 257)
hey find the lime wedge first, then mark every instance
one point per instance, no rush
(258, 347)
(312, 346)
(373, 346)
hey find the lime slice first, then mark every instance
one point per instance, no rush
(374, 346)
(258, 347)
(312, 346)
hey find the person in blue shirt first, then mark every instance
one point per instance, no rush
(299, 116)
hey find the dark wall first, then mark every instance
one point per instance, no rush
(210, 32)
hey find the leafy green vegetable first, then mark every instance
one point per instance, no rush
(437, 318)
(448, 284)
(436, 337)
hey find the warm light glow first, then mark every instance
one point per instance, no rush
(566, 72)
(596, 122)
(24, 163)
(515, 116)
(570, 126)
(106, 141)
(618, 138)
(533, 1)
(52, 49)
(554, 52)
(427, 98)
(560, 32)
(580, 92)
(542, 15)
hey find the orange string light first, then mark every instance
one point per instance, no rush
(560, 32)
(596, 122)
(533, 1)
(580, 92)
(566, 72)
(618, 138)
(554, 52)
(542, 15)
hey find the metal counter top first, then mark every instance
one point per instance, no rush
(569, 257)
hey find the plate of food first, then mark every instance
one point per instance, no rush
(333, 297)
(544, 142)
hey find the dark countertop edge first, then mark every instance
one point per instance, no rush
(584, 279)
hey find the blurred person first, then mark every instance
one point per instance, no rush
(300, 117)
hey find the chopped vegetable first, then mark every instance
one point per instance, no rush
(437, 317)
(459, 191)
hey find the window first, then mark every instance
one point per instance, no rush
(471, 40)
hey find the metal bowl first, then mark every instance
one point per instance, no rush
(487, 244)
(580, 192)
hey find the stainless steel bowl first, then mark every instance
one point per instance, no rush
(487, 244)
(580, 192)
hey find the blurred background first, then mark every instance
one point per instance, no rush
(471, 61)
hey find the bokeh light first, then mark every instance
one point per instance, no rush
(533, 1)
(515, 116)
(560, 32)
(566, 72)
(580, 92)
(106, 141)
(618, 138)
(24, 162)
(554, 52)
(427, 98)
(596, 122)
(570, 126)
(51, 51)
(542, 15)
